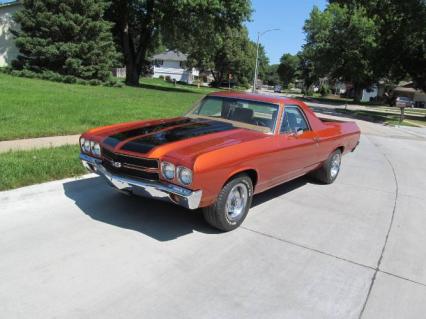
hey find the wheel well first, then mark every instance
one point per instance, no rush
(250, 172)
(341, 148)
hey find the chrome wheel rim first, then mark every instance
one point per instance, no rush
(335, 165)
(236, 202)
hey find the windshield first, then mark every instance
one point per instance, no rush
(253, 113)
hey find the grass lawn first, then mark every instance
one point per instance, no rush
(34, 108)
(21, 168)
(382, 117)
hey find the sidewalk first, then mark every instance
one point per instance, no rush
(35, 143)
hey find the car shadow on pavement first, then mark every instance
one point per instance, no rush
(159, 220)
(281, 190)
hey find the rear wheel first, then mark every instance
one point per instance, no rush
(232, 204)
(329, 171)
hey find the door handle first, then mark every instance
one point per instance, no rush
(316, 139)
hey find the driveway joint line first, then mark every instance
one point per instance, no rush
(403, 278)
(307, 248)
(331, 255)
(379, 262)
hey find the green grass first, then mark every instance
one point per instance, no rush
(21, 168)
(382, 117)
(34, 108)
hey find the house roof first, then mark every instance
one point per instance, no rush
(10, 3)
(171, 55)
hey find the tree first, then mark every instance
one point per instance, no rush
(271, 76)
(401, 44)
(341, 44)
(288, 68)
(182, 24)
(229, 52)
(69, 37)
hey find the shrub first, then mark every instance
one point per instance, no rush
(161, 77)
(168, 79)
(82, 81)
(69, 79)
(308, 92)
(95, 82)
(324, 90)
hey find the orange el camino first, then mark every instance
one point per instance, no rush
(226, 149)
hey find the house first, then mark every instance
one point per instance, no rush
(8, 50)
(407, 89)
(172, 64)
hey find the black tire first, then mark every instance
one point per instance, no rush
(217, 216)
(324, 174)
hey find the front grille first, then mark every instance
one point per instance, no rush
(130, 166)
(130, 172)
(136, 161)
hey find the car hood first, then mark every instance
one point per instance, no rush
(180, 138)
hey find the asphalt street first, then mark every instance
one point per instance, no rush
(353, 249)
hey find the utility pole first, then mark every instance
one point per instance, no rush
(259, 34)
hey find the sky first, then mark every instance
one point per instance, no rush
(286, 15)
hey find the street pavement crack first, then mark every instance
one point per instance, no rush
(379, 262)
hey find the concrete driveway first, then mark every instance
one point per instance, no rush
(354, 249)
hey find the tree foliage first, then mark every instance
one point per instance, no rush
(401, 37)
(341, 44)
(230, 52)
(68, 37)
(185, 25)
(288, 68)
(271, 75)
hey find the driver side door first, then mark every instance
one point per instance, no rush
(298, 144)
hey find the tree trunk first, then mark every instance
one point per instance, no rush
(135, 46)
(357, 92)
(132, 74)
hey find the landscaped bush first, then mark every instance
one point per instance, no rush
(308, 92)
(169, 79)
(56, 77)
(324, 90)
(161, 77)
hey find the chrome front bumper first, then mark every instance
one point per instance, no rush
(151, 189)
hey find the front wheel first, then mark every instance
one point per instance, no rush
(232, 204)
(328, 172)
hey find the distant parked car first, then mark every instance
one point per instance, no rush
(403, 101)
(277, 89)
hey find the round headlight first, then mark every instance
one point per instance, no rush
(168, 170)
(96, 148)
(184, 175)
(86, 146)
(82, 140)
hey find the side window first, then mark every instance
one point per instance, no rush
(293, 120)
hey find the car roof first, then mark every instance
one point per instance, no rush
(267, 98)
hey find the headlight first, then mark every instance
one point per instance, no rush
(96, 148)
(184, 175)
(168, 170)
(86, 146)
(82, 140)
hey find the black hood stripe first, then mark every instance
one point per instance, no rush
(115, 139)
(194, 129)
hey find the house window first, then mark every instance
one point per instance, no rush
(158, 63)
